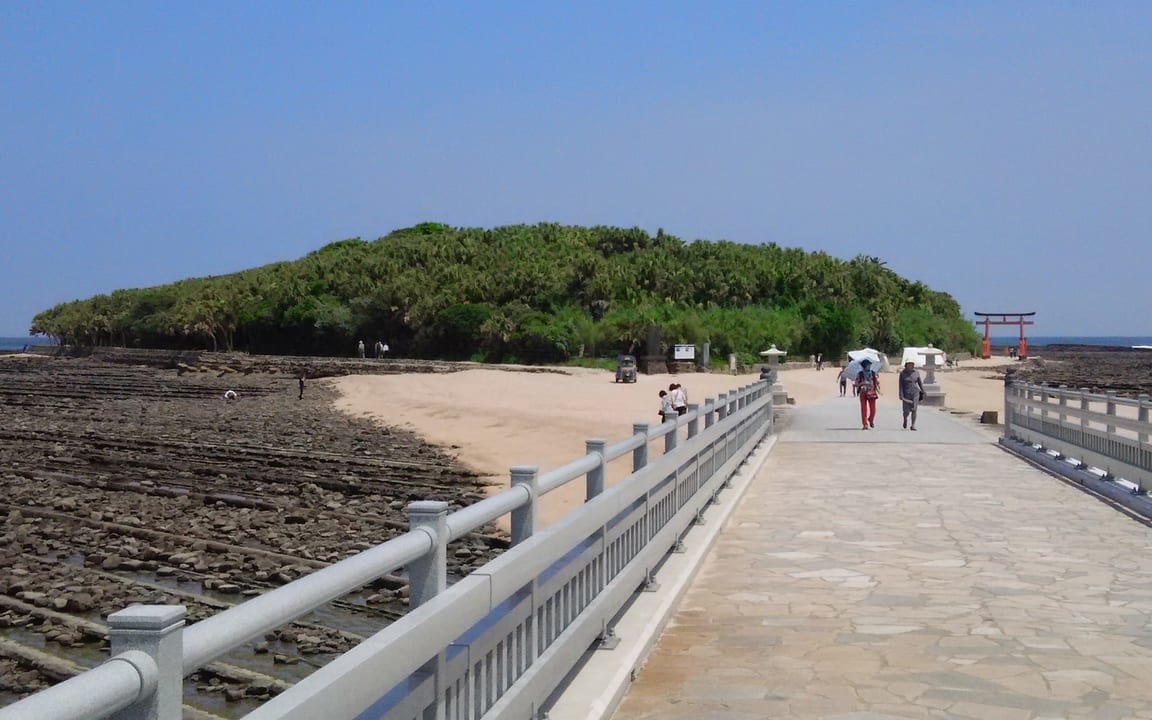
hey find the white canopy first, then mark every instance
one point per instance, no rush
(879, 359)
(918, 356)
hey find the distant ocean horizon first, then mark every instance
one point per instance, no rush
(18, 343)
(1105, 341)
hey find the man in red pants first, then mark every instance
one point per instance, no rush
(867, 389)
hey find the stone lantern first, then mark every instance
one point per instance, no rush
(779, 396)
(933, 395)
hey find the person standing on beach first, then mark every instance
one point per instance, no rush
(819, 361)
(301, 388)
(911, 392)
(360, 349)
(867, 389)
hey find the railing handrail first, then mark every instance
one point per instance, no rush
(216, 635)
(122, 682)
(111, 686)
(1041, 415)
(1078, 393)
(497, 580)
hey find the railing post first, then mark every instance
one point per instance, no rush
(670, 437)
(722, 405)
(595, 478)
(733, 400)
(428, 576)
(1085, 407)
(1043, 406)
(640, 454)
(709, 413)
(1009, 406)
(694, 423)
(157, 631)
(524, 517)
(1142, 414)
(1111, 411)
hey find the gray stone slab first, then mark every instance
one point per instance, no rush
(889, 574)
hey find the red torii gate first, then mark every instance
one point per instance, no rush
(1002, 319)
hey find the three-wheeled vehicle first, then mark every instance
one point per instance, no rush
(625, 368)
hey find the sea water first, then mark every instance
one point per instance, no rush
(18, 343)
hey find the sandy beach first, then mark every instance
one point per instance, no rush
(493, 419)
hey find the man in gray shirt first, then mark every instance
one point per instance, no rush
(911, 391)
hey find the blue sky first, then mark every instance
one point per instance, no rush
(999, 151)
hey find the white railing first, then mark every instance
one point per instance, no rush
(1106, 432)
(496, 644)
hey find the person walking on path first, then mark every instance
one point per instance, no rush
(911, 392)
(679, 398)
(360, 349)
(819, 361)
(842, 378)
(867, 389)
(301, 388)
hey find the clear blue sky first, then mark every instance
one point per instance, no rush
(999, 151)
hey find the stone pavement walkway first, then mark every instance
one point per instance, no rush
(884, 574)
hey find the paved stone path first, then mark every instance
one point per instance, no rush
(884, 574)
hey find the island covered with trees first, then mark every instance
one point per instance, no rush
(528, 293)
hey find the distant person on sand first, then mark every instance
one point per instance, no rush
(911, 392)
(867, 389)
(842, 378)
(360, 348)
(819, 361)
(378, 349)
(666, 409)
(301, 387)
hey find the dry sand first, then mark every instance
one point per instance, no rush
(493, 419)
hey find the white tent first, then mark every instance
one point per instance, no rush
(918, 356)
(879, 359)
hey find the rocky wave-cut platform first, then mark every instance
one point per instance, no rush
(1125, 371)
(128, 478)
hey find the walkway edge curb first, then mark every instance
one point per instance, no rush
(602, 682)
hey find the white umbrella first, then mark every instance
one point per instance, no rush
(852, 369)
(873, 355)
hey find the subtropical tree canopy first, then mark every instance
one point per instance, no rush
(532, 293)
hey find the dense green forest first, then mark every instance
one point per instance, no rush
(532, 293)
